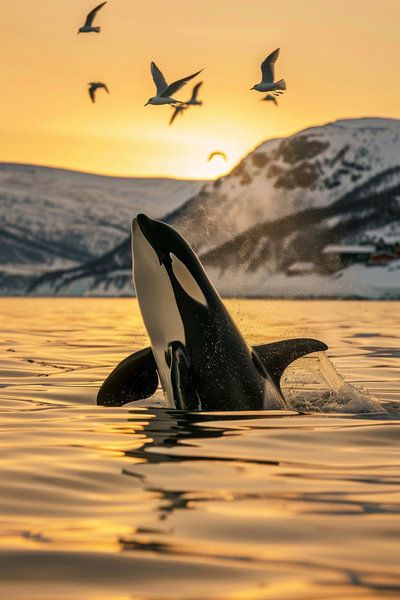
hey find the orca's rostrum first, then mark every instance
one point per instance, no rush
(197, 351)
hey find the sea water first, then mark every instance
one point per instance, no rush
(148, 502)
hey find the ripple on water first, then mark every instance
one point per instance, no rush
(146, 502)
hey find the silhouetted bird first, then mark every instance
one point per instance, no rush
(94, 86)
(193, 100)
(88, 26)
(165, 91)
(217, 153)
(180, 109)
(268, 83)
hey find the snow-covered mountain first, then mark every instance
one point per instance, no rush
(311, 169)
(263, 228)
(54, 218)
(320, 251)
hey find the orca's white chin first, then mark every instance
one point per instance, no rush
(157, 302)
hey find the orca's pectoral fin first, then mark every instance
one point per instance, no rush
(135, 378)
(277, 356)
(185, 396)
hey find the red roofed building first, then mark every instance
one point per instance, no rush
(382, 258)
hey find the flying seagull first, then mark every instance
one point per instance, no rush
(217, 153)
(94, 86)
(180, 109)
(193, 100)
(270, 98)
(88, 26)
(268, 83)
(165, 91)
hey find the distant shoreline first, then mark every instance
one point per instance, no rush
(280, 298)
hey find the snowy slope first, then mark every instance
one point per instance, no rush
(271, 217)
(313, 168)
(370, 211)
(75, 216)
(284, 257)
(356, 281)
(54, 218)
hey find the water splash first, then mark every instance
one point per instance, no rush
(314, 385)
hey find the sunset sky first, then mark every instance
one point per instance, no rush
(340, 59)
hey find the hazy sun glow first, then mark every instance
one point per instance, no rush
(339, 59)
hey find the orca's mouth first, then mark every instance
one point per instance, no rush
(148, 228)
(143, 221)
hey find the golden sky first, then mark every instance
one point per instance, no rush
(340, 59)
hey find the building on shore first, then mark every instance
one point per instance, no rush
(336, 256)
(372, 254)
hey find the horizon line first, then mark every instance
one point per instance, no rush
(78, 171)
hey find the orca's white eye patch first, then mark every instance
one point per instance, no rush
(187, 281)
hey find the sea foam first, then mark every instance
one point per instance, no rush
(312, 384)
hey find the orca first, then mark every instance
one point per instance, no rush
(197, 352)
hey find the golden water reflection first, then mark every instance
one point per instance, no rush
(146, 502)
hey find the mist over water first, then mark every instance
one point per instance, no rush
(148, 502)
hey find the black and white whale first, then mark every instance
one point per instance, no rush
(197, 351)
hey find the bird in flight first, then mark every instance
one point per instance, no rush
(268, 83)
(165, 91)
(270, 98)
(195, 92)
(217, 153)
(94, 86)
(88, 26)
(180, 108)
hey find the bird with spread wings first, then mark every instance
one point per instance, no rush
(164, 90)
(180, 108)
(94, 86)
(268, 83)
(88, 27)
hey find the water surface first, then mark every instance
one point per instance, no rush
(147, 502)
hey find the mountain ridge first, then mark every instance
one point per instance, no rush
(55, 218)
(337, 182)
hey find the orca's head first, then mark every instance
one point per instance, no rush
(161, 253)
